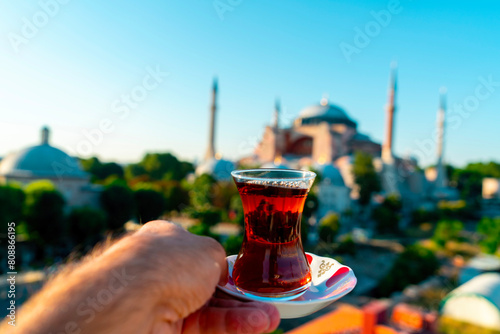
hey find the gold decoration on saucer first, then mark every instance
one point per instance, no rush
(324, 267)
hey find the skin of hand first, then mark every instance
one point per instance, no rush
(160, 279)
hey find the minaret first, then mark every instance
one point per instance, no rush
(276, 131)
(441, 178)
(387, 153)
(211, 139)
(276, 115)
(45, 135)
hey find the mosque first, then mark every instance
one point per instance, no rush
(325, 138)
(46, 162)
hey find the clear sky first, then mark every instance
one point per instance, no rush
(69, 64)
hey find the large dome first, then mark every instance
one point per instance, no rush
(41, 161)
(325, 112)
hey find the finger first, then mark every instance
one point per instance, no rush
(160, 227)
(270, 309)
(220, 302)
(243, 320)
(219, 255)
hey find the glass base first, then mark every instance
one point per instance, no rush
(281, 296)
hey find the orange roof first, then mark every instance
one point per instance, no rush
(344, 318)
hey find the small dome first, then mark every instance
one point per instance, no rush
(220, 169)
(41, 161)
(329, 173)
(325, 113)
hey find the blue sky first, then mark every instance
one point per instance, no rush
(72, 70)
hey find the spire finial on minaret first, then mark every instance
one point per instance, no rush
(45, 135)
(276, 116)
(387, 150)
(213, 109)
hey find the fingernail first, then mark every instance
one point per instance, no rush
(258, 320)
(274, 321)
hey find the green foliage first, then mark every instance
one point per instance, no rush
(118, 201)
(199, 229)
(310, 207)
(365, 177)
(420, 216)
(455, 209)
(159, 166)
(232, 244)
(176, 197)
(11, 205)
(449, 325)
(101, 171)
(236, 207)
(201, 193)
(150, 204)
(413, 265)
(207, 216)
(203, 230)
(447, 230)
(278, 331)
(222, 193)
(347, 246)
(44, 212)
(489, 229)
(86, 225)
(328, 227)
(387, 215)
(469, 179)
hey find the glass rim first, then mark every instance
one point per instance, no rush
(304, 174)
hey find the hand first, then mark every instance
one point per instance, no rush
(160, 279)
(199, 264)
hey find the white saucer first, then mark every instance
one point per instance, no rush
(330, 281)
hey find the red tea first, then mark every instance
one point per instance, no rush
(271, 260)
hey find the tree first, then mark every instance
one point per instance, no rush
(469, 179)
(365, 177)
(86, 225)
(11, 205)
(387, 215)
(118, 201)
(489, 229)
(328, 227)
(101, 171)
(176, 197)
(236, 208)
(201, 193)
(222, 193)
(413, 265)
(44, 212)
(232, 245)
(150, 204)
(447, 230)
(160, 166)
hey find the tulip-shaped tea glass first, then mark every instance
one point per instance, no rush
(272, 262)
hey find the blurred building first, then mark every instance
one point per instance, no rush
(491, 188)
(46, 162)
(476, 302)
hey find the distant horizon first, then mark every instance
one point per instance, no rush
(196, 161)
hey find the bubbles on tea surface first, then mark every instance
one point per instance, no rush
(302, 184)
